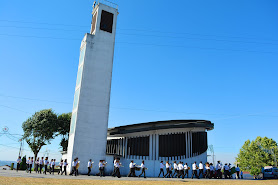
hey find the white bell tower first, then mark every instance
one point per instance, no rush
(89, 122)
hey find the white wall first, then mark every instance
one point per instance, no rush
(88, 135)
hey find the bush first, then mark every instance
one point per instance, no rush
(23, 165)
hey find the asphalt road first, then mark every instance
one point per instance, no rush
(13, 173)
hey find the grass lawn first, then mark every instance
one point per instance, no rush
(35, 181)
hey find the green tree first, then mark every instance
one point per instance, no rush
(40, 129)
(257, 154)
(23, 165)
(63, 129)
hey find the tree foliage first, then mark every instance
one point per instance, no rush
(63, 129)
(256, 154)
(23, 165)
(40, 129)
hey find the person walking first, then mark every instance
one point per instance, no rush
(186, 168)
(37, 164)
(168, 169)
(194, 170)
(18, 161)
(65, 164)
(41, 165)
(28, 164)
(90, 165)
(161, 166)
(74, 170)
(218, 170)
(175, 169)
(143, 167)
(31, 164)
(237, 171)
(131, 169)
(46, 162)
(201, 169)
(207, 170)
(61, 167)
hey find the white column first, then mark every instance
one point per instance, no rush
(151, 147)
(157, 146)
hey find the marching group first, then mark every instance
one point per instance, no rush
(181, 170)
(178, 170)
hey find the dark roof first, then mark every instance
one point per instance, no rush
(158, 125)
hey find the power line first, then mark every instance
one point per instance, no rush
(148, 44)
(147, 35)
(141, 30)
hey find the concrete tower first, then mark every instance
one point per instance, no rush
(89, 122)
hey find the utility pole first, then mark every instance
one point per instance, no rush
(20, 150)
(210, 147)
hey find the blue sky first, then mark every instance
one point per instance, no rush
(213, 60)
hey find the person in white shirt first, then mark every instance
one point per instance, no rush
(194, 170)
(74, 170)
(37, 165)
(41, 165)
(161, 166)
(65, 164)
(27, 163)
(237, 171)
(143, 169)
(118, 165)
(114, 171)
(180, 170)
(230, 171)
(101, 166)
(226, 170)
(131, 169)
(90, 165)
(207, 170)
(211, 167)
(218, 169)
(61, 167)
(168, 170)
(201, 169)
(46, 162)
(31, 164)
(53, 166)
(18, 161)
(50, 166)
(185, 167)
(175, 169)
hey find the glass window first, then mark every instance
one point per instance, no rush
(82, 54)
(76, 98)
(79, 76)
(73, 122)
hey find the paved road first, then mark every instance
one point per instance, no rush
(13, 173)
